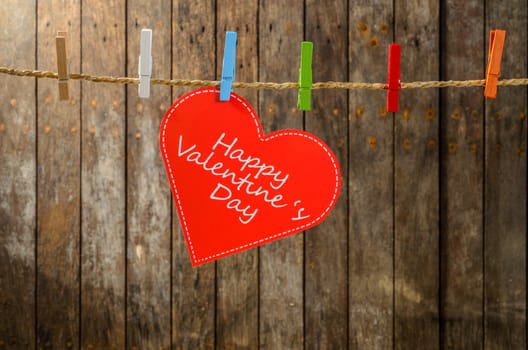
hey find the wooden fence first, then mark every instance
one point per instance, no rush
(425, 249)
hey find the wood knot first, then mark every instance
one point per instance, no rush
(93, 102)
(382, 113)
(73, 130)
(359, 112)
(431, 144)
(406, 114)
(47, 129)
(138, 135)
(473, 148)
(116, 104)
(373, 42)
(522, 116)
(455, 115)
(452, 148)
(272, 109)
(2, 127)
(13, 102)
(91, 130)
(139, 107)
(429, 114)
(406, 144)
(475, 116)
(290, 28)
(372, 141)
(336, 112)
(341, 143)
(384, 28)
(520, 152)
(48, 100)
(498, 115)
(363, 28)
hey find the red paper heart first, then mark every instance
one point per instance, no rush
(235, 188)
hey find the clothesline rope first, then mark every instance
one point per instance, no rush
(262, 85)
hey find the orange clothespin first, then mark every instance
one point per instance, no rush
(496, 45)
(393, 77)
(62, 65)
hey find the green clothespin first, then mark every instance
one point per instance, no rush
(305, 77)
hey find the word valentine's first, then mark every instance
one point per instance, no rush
(239, 175)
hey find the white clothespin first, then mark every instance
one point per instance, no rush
(145, 63)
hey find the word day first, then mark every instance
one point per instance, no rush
(243, 177)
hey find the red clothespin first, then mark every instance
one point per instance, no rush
(496, 46)
(393, 78)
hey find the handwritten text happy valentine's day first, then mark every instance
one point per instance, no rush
(248, 168)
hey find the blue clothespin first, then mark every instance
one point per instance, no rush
(228, 66)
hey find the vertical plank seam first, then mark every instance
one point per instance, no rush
(303, 116)
(215, 316)
(439, 180)
(393, 199)
(348, 180)
(526, 233)
(441, 228)
(257, 32)
(484, 182)
(35, 228)
(80, 173)
(171, 218)
(126, 181)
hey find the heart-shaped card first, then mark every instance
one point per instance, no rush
(235, 188)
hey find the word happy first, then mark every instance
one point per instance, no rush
(245, 163)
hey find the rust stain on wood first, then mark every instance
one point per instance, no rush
(372, 141)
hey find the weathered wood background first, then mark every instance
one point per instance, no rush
(425, 249)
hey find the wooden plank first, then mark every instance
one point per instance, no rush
(326, 249)
(371, 183)
(505, 186)
(193, 289)
(237, 275)
(461, 181)
(103, 178)
(416, 180)
(17, 176)
(148, 194)
(59, 157)
(281, 263)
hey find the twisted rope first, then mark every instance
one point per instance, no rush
(261, 85)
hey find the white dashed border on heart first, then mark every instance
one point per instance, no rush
(263, 139)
